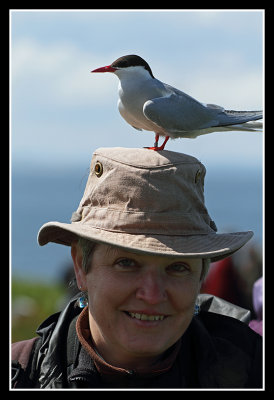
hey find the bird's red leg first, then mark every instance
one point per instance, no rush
(163, 145)
(156, 140)
(156, 148)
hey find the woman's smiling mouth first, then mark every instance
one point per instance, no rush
(145, 317)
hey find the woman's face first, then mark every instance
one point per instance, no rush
(139, 305)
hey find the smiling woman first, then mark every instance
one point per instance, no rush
(141, 242)
(143, 296)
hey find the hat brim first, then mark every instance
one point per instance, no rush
(212, 245)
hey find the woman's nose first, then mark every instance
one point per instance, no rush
(151, 288)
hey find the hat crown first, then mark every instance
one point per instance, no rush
(141, 191)
(148, 202)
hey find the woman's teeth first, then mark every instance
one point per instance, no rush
(144, 317)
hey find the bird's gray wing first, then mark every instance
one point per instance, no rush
(180, 113)
(231, 117)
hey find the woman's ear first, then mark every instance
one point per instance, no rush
(76, 254)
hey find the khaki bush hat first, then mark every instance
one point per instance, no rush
(146, 201)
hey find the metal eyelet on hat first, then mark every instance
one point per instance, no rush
(98, 169)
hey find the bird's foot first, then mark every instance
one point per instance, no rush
(156, 147)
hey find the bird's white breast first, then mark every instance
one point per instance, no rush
(133, 93)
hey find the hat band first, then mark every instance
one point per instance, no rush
(146, 222)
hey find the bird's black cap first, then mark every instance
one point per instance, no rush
(131, 61)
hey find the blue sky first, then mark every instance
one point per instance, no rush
(61, 112)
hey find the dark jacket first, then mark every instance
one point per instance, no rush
(217, 351)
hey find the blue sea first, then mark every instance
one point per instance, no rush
(39, 195)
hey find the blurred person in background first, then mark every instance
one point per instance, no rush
(257, 323)
(233, 278)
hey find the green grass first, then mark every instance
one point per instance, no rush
(32, 303)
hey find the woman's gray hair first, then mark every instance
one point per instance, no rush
(87, 247)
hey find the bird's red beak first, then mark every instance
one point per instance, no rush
(107, 68)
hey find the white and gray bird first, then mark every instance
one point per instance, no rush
(149, 104)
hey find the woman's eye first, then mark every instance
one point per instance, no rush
(178, 267)
(125, 263)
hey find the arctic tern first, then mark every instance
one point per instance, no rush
(147, 103)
